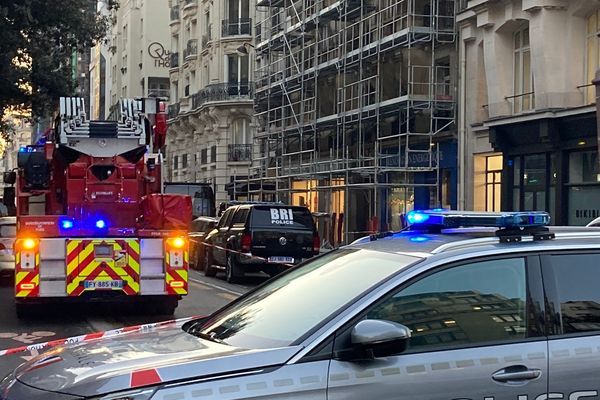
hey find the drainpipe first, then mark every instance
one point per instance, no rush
(596, 83)
(462, 134)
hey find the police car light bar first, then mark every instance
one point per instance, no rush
(456, 219)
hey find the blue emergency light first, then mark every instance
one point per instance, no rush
(66, 224)
(100, 224)
(456, 219)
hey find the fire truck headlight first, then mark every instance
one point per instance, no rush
(177, 243)
(29, 244)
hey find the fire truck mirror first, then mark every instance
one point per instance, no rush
(10, 177)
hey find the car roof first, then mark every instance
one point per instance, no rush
(206, 219)
(467, 240)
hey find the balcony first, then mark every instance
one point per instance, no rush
(175, 13)
(174, 60)
(239, 152)
(173, 110)
(242, 26)
(161, 93)
(191, 49)
(223, 92)
(189, 8)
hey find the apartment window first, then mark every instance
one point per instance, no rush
(237, 70)
(175, 162)
(493, 182)
(125, 36)
(184, 161)
(206, 75)
(238, 9)
(523, 77)
(241, 131)
(592, 54)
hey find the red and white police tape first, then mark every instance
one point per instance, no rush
(225, 249)
(97, 335)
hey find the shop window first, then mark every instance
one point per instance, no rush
(523, 97)
(583, 187)
(592, 54)
(493, 183)
(487, 182)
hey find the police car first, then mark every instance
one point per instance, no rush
(462, 305)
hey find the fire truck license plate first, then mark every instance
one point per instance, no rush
(103, 284)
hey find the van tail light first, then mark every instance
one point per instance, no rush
(316, 244)
(246, 242)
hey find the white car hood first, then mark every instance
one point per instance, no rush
(140, 359)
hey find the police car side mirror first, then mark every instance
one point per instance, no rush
(379, 338)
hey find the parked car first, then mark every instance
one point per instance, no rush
(267, 237)
(201, 226)
(507, 311)
(8, 232)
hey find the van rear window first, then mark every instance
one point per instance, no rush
(290, 217)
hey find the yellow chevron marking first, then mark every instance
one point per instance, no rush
(20, 276)
(72, 245)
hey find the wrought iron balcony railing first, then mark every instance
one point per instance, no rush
(223, 92)
(242, 26)
(239, 152)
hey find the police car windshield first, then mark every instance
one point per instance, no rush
(291, 217)
(284, 310)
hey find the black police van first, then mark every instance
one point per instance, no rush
(262, 236)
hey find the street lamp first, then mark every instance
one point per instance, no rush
(242, 51)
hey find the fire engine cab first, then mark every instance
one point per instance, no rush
(92, 221)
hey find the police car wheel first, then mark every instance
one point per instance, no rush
(232, 270)
(199, 258)
(209, 269)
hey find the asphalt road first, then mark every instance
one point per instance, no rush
(56, 322)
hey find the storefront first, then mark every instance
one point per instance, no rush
(550, 162)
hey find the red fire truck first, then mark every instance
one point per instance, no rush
(92, 221)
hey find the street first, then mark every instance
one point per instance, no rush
(205, 296)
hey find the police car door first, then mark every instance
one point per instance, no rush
(571, 281)
(475, 335)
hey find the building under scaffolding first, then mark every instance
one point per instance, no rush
(355, 101)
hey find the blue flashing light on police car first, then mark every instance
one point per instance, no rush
(100, 224)
(455, 219)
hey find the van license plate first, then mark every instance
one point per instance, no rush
(278, 259)
(103, 284)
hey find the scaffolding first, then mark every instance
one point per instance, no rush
(353, 98)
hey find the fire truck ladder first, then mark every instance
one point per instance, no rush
(101, 138)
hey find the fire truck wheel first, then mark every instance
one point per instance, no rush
(233, 271)
(166, 306)
(24, 310)
(209, 269)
